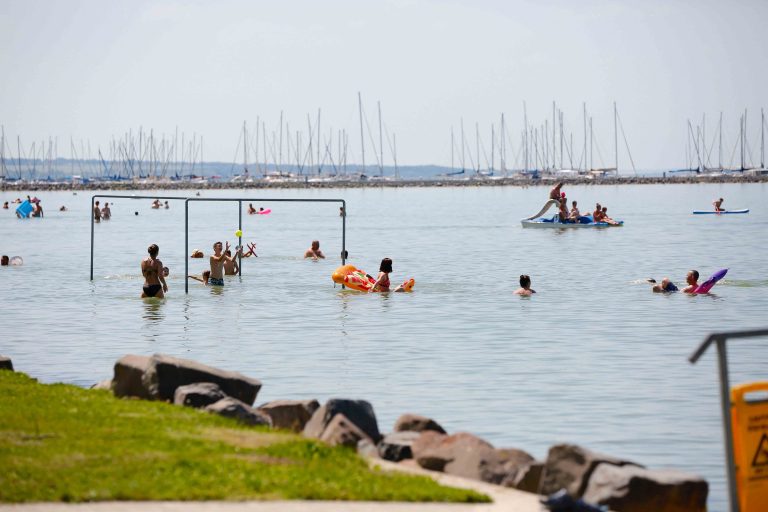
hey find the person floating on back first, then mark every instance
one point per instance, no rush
(665, 286)
(718, 205)
(152, 270)
(314, 251)
(525, 286)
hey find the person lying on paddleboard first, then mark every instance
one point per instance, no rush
(717, 204)
(525, 286)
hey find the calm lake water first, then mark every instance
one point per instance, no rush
(593, 358)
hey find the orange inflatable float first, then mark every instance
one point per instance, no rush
(354, 278)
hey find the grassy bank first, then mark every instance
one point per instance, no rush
(63, 443)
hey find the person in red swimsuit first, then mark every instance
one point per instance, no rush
(382, 281)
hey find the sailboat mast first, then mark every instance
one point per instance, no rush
(585, 135)
(319, 162)
(561, 139)
(616, 137)
(591, 145)
(525, 134)
(554, 157)
(452, 147)
(477, 145)
(462, 145)
(493, 149)
(280, 146)
(362, 139)
(381, 143)
(502, 147)
(245, 148)
(762, 139)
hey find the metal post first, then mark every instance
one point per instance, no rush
(93, 198)
(725, 399)
(240, 238)
(344, 233)
(186, 246)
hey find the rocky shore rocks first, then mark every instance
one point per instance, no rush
(595, 478)
(354, 182)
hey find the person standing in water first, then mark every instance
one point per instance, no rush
(152, 270)
(525, 286)
(217, 260)
(251, 209)
(96, 212)
(106, 213)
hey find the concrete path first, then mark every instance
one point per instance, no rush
(506, 500)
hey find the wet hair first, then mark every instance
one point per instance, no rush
(316, 243)
(166, 271)
(386, 265)
(153, 250)
(217, 243)
(525, 281)
(206, 274)
(228, 252)
(695, 274)
(605, 208)
(574, 203)
(4, 260)
(96, 202)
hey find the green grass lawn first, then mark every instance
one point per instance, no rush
(63, 443)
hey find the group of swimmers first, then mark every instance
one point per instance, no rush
(156, 205)
(692, 279)
(574, 215)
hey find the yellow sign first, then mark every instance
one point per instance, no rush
(749, 416)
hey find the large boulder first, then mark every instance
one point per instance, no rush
(129, 376)
(633, 489)
(569, 467)
(290, 414)
(506, 466)
(165, 373)
(526, 478)
(358, 412)
(198, 394)
(341, 431)
(416, 423)
(397, 446)
(6, 363)
(462, 454)
(234, 408)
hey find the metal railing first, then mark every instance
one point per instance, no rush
(720, 339)
(117, 196)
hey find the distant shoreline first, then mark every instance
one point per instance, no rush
(401, 183)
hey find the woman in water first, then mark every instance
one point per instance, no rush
(382, 281)
(152, 270)
(525, 286)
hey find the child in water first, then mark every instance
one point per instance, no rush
(382, 281)
(525, 286)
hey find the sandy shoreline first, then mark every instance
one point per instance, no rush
(332, 184)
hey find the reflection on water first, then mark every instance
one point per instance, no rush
(593, 358)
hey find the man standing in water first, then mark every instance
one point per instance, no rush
(152, 270)
(97, 212)
(217, 264)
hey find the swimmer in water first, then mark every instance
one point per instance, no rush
(231, 267)
(4, 260)
(204, 278)
(152, 270)
(525, 286)
(692, 278)
(251, 209)
(314, 251)
(382, 281)
(666, 286)
(5, 205)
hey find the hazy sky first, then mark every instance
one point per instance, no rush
(94, 69)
